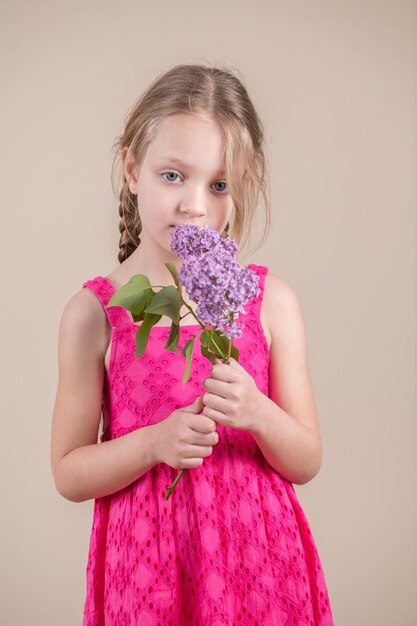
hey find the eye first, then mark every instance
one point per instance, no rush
(170, 181)
(175, 174)
(221, 183)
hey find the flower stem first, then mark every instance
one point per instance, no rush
(229, 352)
(174, 484)
(193, 314)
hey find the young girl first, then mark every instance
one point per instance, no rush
(232, 544)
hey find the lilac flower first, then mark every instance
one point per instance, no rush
(213, 278)
(188, 240)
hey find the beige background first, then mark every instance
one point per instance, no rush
(335, 83)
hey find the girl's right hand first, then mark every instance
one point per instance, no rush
(186, 437)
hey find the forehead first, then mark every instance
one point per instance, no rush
(188, 141)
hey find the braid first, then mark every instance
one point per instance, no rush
(130, 225)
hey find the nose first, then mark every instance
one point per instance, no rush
(195, 204)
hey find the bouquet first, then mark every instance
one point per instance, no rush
(213, 279)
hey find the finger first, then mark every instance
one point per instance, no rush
(215, 402)
(223, 371)
(232, 362)
(204, 425)
(218, 387)
(217, 416)
(236, 365)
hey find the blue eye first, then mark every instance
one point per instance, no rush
(175, 174)
(170, 181)
(220, 182)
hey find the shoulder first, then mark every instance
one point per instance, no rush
(83, 308)
(279, 296)
(83, 320)
(278, 290)
(282, 307)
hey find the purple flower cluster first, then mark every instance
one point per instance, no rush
(212, 276)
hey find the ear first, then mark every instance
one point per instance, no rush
(129, 170)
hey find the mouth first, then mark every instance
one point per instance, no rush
(182, 224)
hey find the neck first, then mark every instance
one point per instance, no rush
(152, 265)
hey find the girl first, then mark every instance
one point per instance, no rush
(232, 544)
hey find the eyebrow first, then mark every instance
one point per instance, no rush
(183, 164)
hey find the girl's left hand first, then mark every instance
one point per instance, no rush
(232, 396)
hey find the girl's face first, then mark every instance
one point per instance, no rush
(180, 180)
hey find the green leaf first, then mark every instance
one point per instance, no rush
(142, 334)
(209, 355)
(174, 273)
(215, 345)
(204, 337)
(166, 302)
(134, 296)
(187, 351)
(234, 353)
(172, 341)
(139, 314)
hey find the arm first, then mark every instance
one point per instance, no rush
(290, 447)
(97, 470)
(82, 468)
(286, 426)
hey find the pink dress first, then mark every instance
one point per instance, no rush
(231, 546)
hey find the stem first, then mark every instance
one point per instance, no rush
(192, 313)
(229, 351)
(174, 484)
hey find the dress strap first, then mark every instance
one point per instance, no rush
(104, 290)
(262, 271)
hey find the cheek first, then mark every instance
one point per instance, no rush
(226, 213)
(158, 213)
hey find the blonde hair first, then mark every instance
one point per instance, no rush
(218, 95)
